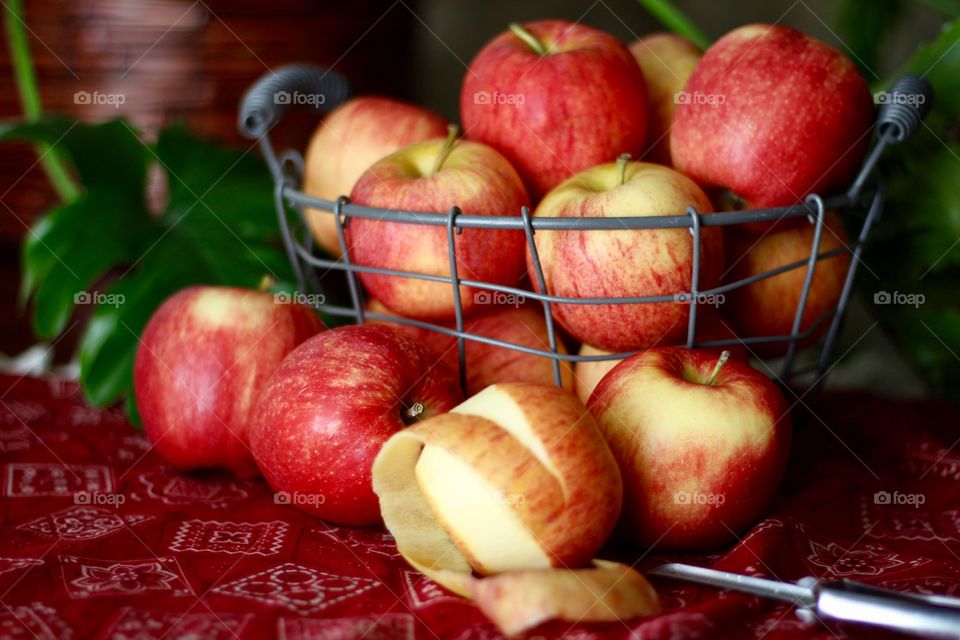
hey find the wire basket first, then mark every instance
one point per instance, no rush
(266, 102)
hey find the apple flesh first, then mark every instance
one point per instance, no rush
(771, 116)
(517, 477)
(330, 406)
(667, 60)
(625, 263)
(350, 139)
(522, 325)
(204, 358)
(701, 450)
(555, 98)
(767, 307)
(434, 176)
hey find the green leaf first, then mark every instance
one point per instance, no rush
(108, 155)
(73, 257)
(863, 24)
(939, 62)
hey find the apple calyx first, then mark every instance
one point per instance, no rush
(528, 39)
(722, 360)
(413, 413)
(453, 131)
(622, 161)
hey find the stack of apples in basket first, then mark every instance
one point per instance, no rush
(510, 491)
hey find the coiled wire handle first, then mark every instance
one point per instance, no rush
(903, 107)
(269, 98)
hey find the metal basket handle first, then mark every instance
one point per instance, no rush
(274, 93)
(903, 107)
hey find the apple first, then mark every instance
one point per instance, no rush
(710, 324)
(434, 176)
(624, 263)
(520, 324)
(516, 483)
(767, 307)
(555, 97)
(771, 115)
(667, 60)
(204, 358)
(350, 139)
(329, 407)
(702, 443)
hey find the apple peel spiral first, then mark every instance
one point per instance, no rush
(517, 486)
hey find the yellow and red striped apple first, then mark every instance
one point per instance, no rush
(350, 139)
(555, 98)
(330, 406)
(710, 326)
(701, 444)
(667, 60)
(434, 176)
(203, 360)
(623, 263)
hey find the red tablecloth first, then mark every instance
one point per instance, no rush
(101, 539)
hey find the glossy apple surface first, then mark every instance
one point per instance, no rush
(771, 116)
(203, 361)
(622, 263)
(568, 98)
(433, 177)
(700, 460)
(350, 139)
(330, 406)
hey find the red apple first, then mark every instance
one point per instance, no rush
(521, 324)
(767, 307)
(771, 115)
(330, 406)
(350, 139)
(710, 326)
(434, 176)
(667, 60)
(623, 263)
(203, 360)
(556, 98)
(701, 445)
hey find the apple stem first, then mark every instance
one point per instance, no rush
(528, 38)
(452, 132)
(716, 369)
(266, 283)
(622, 160)
(412, 413)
